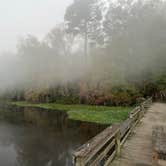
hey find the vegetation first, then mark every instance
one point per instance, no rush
(124, 49)
(97, 114)
(84, 17)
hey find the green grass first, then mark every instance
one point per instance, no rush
(97, 114)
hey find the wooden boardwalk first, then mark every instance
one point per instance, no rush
(137, 151)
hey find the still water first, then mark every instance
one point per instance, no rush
(36, 137)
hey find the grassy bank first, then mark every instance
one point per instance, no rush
(98, 114)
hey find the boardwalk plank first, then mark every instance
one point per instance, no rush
(137, 151)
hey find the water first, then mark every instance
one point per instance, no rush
(35, 137)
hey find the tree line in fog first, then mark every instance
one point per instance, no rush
(104, 53)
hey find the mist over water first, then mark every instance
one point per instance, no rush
(132, 48)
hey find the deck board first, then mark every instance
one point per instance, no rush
(137, 150)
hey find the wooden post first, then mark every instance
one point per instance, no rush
(117, 143)
(142, 109)
(79, 162)
(155, 159)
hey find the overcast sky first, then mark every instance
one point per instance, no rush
(21, 17)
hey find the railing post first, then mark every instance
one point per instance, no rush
(141, 113)
(78, 161)
(142, 109)
(117, 143)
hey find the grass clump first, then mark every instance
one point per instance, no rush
(97, 114)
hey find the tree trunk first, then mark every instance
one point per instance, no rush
(86, 42)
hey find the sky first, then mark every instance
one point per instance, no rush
(21, 17)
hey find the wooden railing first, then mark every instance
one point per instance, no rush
(102, 149)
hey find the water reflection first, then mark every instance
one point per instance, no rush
(33, 137)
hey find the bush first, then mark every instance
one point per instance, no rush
(37, 95)
(124, 96)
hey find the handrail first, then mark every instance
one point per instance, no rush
(105, 146)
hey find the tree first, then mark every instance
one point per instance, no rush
(59, 41)
(83, 17)
(135, 33)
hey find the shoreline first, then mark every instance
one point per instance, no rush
(86, 113)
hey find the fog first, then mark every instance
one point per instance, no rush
(132, 48)
(22, 17)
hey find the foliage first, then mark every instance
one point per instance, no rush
(125, 95)
(84, 17)
(128, 64)
(156, 88)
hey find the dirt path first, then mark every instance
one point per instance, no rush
(137, 151)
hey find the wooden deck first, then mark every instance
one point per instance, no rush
(104, 147)
(137, 151)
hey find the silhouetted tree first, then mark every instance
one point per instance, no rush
(83, 17)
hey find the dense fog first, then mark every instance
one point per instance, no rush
(124, 41)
